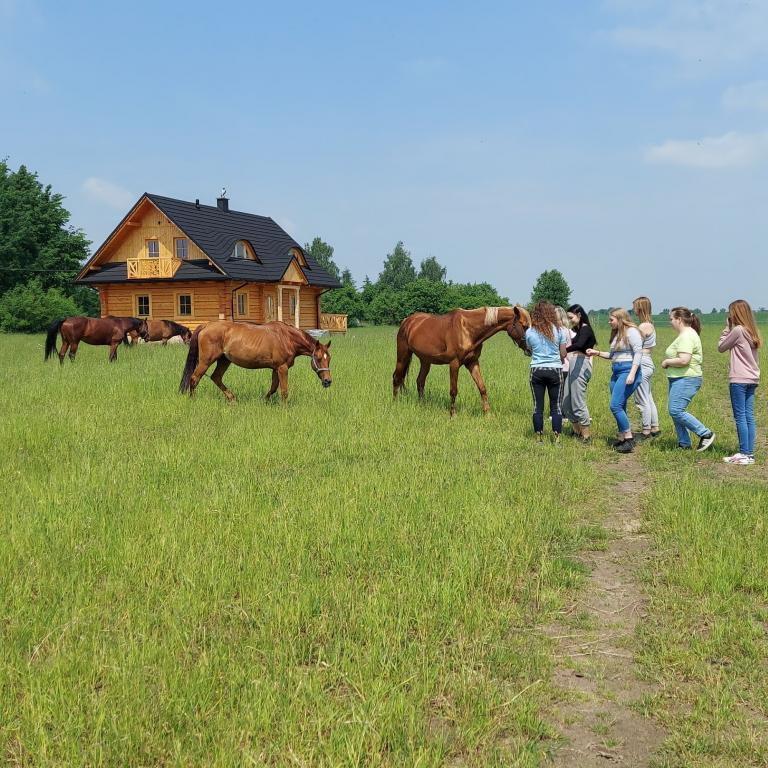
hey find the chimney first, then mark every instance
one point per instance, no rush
(222, 202)
(197, 203)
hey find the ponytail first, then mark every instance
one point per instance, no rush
(688, 318)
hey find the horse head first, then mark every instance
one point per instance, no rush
(521, 322)
(186, 337)
(321, 363)
(143, 330)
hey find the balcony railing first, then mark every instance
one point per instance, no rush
(333, 323)
(157, 267)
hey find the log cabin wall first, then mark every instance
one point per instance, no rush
(210, 300)
(149, 224)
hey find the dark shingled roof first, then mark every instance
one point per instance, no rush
(215, 232)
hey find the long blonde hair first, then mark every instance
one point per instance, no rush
(642, 308)
(625, 323)
(740, 313)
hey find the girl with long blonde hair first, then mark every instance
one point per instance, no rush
(649, 414)
(625, 353)
(742, 339)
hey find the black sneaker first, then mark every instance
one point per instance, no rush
(706, 441)
(625, 446)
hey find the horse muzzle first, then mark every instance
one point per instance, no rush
(326, 383)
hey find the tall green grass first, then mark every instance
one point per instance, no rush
(341, 580)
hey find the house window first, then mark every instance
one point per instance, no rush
(269, 315)
(242, 304)
(142, 306)
(153, 248)
(185, 305)
(293, 305)
(240, 252)
(181, 247)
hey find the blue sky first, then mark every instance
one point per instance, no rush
(624, 142)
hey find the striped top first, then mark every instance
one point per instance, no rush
(649, 342)
(629, 352)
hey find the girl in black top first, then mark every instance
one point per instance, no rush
(579, 372)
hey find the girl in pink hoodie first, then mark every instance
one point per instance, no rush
(742, 339)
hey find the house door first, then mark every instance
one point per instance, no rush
(288, 303)
(270, 310)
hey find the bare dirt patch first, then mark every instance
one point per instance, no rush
(594, 646)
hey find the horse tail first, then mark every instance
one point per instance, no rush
(193, 357)
(404, 355)
(50, 341)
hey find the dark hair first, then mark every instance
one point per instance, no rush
(577, 309)
(687, 317)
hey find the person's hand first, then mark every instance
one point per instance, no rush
(630, 379)
(664, 363)
(592, 352)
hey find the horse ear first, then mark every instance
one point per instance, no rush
(517, 312)
(328, 345)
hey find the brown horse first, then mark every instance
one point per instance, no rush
(92, 330)
(273, 345)
(454, 339)
(162, 330)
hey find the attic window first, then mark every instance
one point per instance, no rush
(240, 251)
(299, 256)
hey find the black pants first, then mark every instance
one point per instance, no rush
(551, 381)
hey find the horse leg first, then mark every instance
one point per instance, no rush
(63, 350)
(473, 366)
(218, 374)
(275, 383)
(165, 344)
(73, 350)
(421, 379)
(454, 366)
(282, 374)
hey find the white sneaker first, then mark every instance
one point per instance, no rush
(739, 458)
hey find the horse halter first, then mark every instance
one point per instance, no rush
(315, 366)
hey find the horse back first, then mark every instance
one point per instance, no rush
(246, 344)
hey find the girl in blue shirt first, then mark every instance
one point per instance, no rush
(546, 342)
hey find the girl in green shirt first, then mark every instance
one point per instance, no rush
(682, 363)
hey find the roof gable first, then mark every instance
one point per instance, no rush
(215, 233)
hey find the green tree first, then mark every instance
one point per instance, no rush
(36, 239)
(398, 270)
(347, 279)
(551, 286)
(322, 253)
(29, 308)
(430, 269)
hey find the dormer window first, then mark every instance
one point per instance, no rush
(153, 248)
(299, 256)
(241, 250)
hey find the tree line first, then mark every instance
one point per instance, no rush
(400, 288)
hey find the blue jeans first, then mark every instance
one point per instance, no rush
(743, 402)
(620, 393)
(681, 392)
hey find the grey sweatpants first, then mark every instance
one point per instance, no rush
(644, 394)
(575, 390)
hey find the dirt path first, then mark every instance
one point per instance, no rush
(594, 645)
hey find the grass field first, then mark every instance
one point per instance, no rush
(344, 580)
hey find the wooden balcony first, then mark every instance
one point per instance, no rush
(333, 323)
(152, 268)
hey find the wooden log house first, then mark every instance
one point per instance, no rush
(176, 260)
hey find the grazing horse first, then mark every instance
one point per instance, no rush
(92, 330)
(454, 339)
(272, 345)
(162, 330)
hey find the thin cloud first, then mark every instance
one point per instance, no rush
(731, 150)
(707, 32)
(751, 96)
(103, 191)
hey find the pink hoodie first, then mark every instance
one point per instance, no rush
(744, 367)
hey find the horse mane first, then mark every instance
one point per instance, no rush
(300, 334)
(491, 315)
(178, 328)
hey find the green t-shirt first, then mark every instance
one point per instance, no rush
(686, 341)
